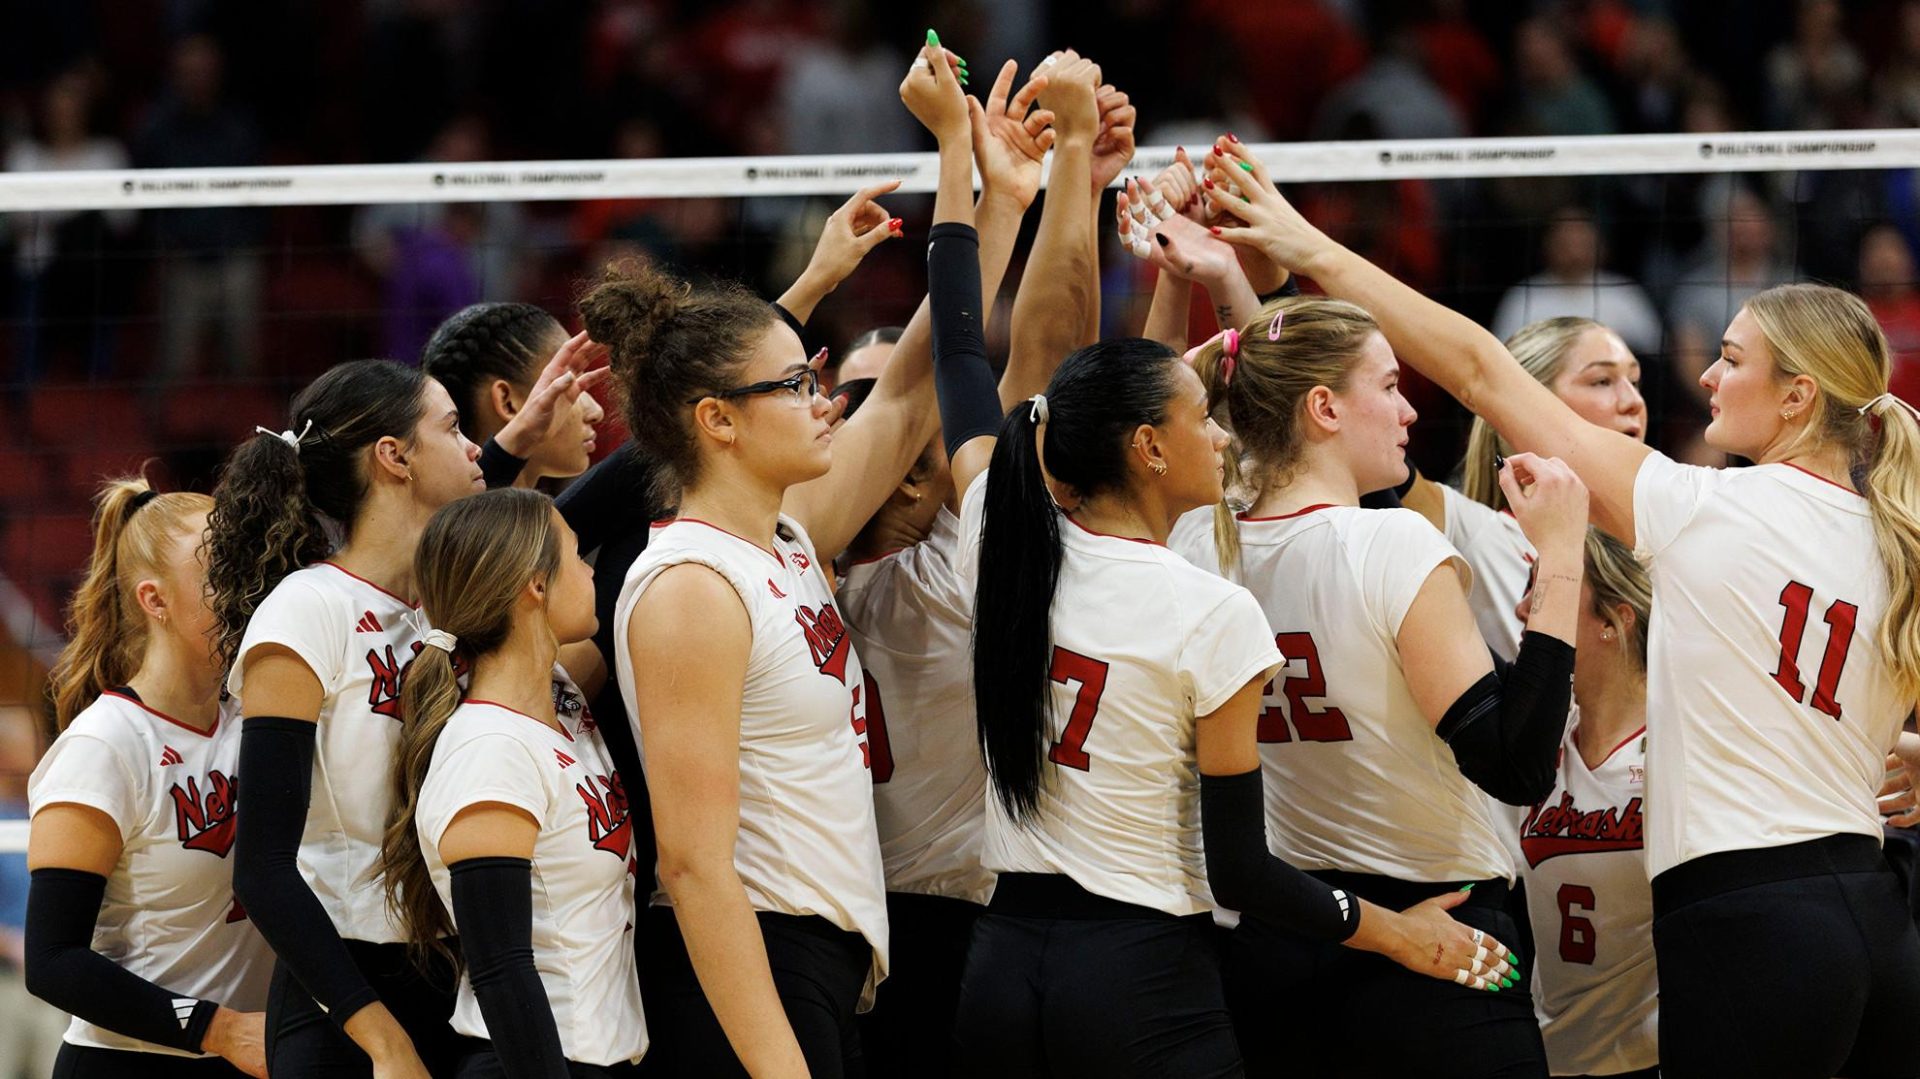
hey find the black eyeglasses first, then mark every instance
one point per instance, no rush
(803, 386)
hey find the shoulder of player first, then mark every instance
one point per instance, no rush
(113, 719)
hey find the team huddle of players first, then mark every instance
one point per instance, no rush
(1131, 711)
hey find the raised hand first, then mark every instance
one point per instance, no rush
(1009, 140)
(1072, 94)
(1113, 145)
(1151, 229)
(550, 402)
(931, 91)
(1269, 221)
(1179, 184)
(1548, 500)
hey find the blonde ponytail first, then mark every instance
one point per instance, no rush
(1893, 496)
(133, 529)
(1830, 336)
(474, 558)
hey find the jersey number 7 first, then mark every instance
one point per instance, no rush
(1071, 750)
(1840, 617)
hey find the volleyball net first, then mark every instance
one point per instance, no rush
(152, 318)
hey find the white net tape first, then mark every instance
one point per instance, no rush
(710, 177)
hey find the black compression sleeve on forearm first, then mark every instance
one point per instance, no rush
(969, 395)
(798, 327)
(1505, 730)
(1246, 877)
(493, 909)
(63, 969)
(276, 757)
(498, 467)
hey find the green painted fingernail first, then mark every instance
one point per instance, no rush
(1507, 982)
(1246, 166)
(1468, 887)
(932, 38)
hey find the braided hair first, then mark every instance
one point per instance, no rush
(484, 342)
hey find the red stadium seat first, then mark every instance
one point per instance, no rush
(219, 413)
(87, 414)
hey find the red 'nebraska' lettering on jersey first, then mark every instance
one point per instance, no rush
(609, 827)
(205, 820)
(1551, 831)
(826, 638)
(383, 693)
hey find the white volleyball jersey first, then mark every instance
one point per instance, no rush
(169, 914)
(912, 620)
(582, 867)
(358, 640)
(1501, 557)
(1591, 906)
(1144, 643)
(1776, 709)
(807, 842)
(1356, 778)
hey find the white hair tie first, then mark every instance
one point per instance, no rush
(1038, 413)
(289, 437)
(441, 639)
(1890, 399)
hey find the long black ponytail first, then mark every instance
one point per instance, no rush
(1099, 396)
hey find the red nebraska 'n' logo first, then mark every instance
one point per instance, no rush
(609, 828)
(826, 639)
(205, 819)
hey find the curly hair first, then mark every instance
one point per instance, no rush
(268, 507)
(670, 342)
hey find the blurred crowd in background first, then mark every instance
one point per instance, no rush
(164, 335)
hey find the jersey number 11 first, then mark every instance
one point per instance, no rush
(1840, 616)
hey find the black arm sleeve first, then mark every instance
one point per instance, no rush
(498, 467)
(276, 754)
(1289, 287)
(612, 498)
(493, 908)
(1245, 876)
(969, 395)
(798, 327)
(1505, 729)
(63, 969)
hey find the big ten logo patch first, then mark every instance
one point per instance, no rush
(826, 639)
(204, 816)
(609, 825)
(386, 673)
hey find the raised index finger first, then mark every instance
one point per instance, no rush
(1023, 100)
(866, 195)
(1002, 85)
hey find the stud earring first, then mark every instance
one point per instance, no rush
(1606, 634)
(1159, 467)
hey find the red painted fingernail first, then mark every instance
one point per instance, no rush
(895, 223)
(1215, 230)
(1231, 137)
(1209, 183)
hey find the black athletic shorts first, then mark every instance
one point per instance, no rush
(303, 1042)
(480, 1062)
(1306, 1007)
(911, 1023)
(91, 1062)
(1795, 962)
(818, 970)
(1064, 984)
